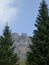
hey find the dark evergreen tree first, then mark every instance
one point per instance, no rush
(39, 49)
(7, 54)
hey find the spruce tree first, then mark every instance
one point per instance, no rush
(39, 49)
(7, 54)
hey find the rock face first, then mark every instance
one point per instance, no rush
(21, 43)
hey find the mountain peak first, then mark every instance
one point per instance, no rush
(21, 43)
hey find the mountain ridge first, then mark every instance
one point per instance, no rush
(21, 43)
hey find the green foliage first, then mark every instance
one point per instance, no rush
(7, 55)
(22, 63)
(39, 54)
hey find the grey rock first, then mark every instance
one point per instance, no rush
(21, 43)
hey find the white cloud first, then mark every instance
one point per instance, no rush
(8, 9)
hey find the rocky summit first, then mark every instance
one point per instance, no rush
(21, 43)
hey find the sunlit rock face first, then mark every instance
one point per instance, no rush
(21, 43)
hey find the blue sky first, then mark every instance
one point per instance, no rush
(20, 15)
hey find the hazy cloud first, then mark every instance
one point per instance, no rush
(8, 9)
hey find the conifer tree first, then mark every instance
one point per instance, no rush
(39, 49)
(7, 54)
